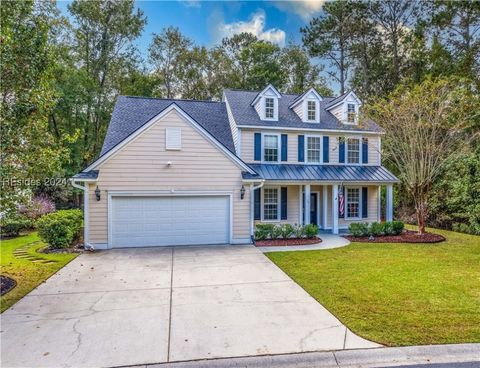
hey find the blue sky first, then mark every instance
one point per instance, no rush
(207, 22)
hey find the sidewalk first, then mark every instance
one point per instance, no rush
(360, 358)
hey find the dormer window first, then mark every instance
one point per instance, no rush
(311, 110)
(269, 108)
(351, 113)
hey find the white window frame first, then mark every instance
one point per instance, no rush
(306, 149)
(355, 120)
(279, 200)
(360, 201)
(360, 147)
(317, 111)
(264, 108)
(279, 147)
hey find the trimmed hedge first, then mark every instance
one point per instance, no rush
(12, 226)
(387, 228)
(285, 231)
(59, 229)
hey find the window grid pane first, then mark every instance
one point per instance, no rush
(311, 110)
(313, 149)
(351, 113)
(270, 148)
(270, 204)
(353, 202)
(353, 150)
(269, 106)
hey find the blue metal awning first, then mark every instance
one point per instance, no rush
(328, 173)
(86, 175)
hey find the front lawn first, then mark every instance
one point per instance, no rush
(20, 261)
(397, 294)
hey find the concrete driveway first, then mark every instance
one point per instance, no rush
(138, 306)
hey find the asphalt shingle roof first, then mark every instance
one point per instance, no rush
(294, 172)
(130, 113)
(92, 174)
(245, 114)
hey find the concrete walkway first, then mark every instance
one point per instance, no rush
(145, 306)
(329, 241)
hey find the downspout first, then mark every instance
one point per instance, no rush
(86, 244)
(252, 205)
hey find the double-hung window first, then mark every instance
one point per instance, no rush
(270, 148)
(270, 204)
(311, 110)
(353, 150)
(313, 149)
(269, 108)
(351, 113)
(353, 202)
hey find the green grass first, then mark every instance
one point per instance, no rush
(26, 273)
(397, 294)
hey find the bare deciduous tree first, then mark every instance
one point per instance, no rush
(423, 125)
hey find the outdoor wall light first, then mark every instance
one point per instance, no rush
(97, 193)
(242, 192)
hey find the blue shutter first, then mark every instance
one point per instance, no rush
(256, 203)
(365, 150)
(283, 203)
(326, 149)
(364, 202)
(301, 148)
(284, 147)
(258, 147)
(341, 150)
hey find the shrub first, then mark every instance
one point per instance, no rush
(388, 228)
(37, 207)
(359, 229)
(311, 231)
(263, 231)
(464, 228)
(276, 232)
(59, 229)
(299, 231)
(286, 231)
(376, 229)
(397, 227)
(12, 226)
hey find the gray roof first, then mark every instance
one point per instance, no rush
(245, 114)
(92, 175)
(287, 172)
(130, 113)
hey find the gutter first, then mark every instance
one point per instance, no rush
(84, 187)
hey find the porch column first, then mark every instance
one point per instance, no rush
(389, 216)
(324, 206)
(300, 204)
(252, 206)
(379, 203)
(335, 209)
(307, 205)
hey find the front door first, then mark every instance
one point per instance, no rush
(313, 207)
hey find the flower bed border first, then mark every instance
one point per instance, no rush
(408, 236)
(287, 242)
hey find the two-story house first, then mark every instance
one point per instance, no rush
(181, 172)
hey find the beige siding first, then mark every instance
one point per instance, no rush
(247, 137)
(299, 110)
(142, 166)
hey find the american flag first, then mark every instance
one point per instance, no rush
(341, 201)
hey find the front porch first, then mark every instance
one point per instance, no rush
(319, 203)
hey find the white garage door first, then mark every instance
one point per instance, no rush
(164, 221)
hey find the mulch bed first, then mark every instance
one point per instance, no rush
(408, 236)
(75, 249)
(6, 284)
(286, 242)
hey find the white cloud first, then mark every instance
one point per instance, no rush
(255, 26)
(191, 3)
(306, 9)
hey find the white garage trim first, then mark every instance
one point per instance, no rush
(171, 193)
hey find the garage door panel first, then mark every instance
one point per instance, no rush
(164, 221)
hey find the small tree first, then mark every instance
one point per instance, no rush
(424, 124)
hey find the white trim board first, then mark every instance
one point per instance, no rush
(313, 131)
(154, 120)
